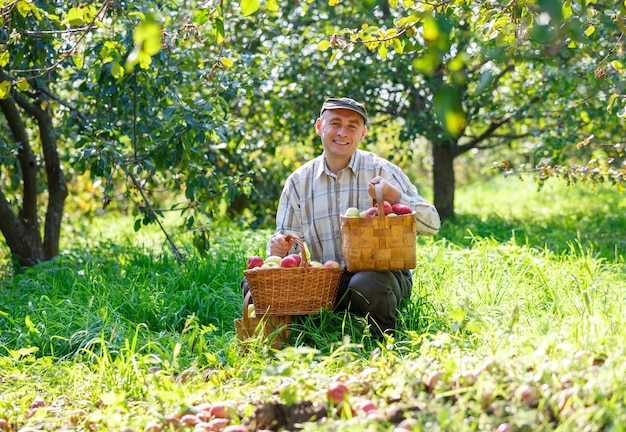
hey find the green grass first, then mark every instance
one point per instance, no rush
(517, 317)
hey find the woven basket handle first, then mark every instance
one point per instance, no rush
(379, 200)
(246, 304)
(303, 262)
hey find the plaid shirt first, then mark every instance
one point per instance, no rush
(313, 199)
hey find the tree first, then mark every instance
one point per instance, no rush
(465, 76)
(135, 94)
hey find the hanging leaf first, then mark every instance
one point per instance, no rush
(272, 5)
(5, 89)
(449, 110)
(227, 62)
(248, 7)
(323, 45)
(4, 58)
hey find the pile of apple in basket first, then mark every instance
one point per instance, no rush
(292, 285)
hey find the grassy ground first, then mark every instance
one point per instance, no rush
(516, 322)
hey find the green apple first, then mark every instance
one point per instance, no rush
(362, 214)
(316, 264)
(352, 212)
(273, 259)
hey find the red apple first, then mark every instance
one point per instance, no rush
(223, 409)
(388, 207)
(235, 428)
(367, 405)
(4, 425)
(401, 209)
(288, 262)
(332, 264)
(189, 420)
(371, 212)
(504, 427)
(297, 257)
(337, 392)
(255, 261)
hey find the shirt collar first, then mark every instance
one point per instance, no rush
(354, 164)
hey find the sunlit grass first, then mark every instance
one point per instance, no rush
(117, 333)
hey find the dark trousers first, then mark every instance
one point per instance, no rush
(373, 295)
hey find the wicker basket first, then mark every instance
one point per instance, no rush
(275, 328)
(379, 243)
(299, 290)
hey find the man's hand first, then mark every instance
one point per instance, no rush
(390, 193)
(280, 245)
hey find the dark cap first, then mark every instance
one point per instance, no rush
(345, 103)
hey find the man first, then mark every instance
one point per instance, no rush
(316, 194)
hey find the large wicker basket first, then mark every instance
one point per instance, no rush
(274, 328)
(299, 290)
(379, 243)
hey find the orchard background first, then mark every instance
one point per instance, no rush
(142, 151)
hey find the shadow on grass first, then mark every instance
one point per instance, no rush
(599, 233)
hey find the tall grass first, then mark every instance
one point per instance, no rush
(532, 281)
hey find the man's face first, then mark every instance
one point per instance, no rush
(341, 131)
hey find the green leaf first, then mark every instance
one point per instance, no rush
(74, 17)
(272, 5)
(78, 60)
(590, 30)
(116, 70)
(22, 84)
(219, 31)
(382, 51)
(5, 89)
(449, 110)
(323, 45)
(612, 100)
(248, 7)
(227, 62)
(23, 7)
(148, 35)
(4, 58)
(29, 324)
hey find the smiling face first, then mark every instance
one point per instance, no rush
(341, 131)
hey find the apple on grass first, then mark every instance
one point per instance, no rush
(337, 392)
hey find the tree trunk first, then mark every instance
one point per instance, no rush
(443, 179)
(21, 227)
